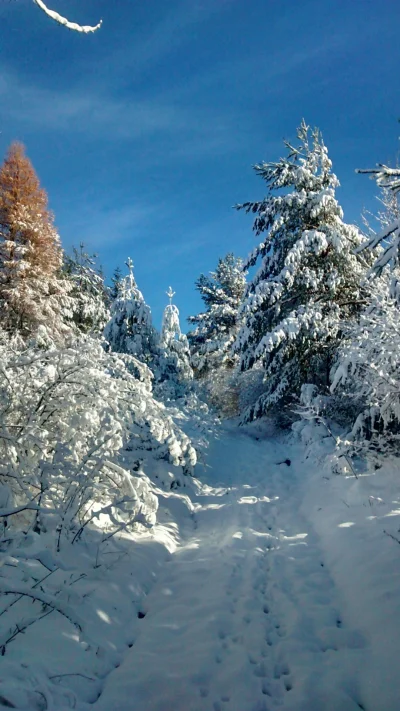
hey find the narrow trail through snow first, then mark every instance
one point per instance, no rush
(245, 616)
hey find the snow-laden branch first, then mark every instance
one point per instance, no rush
(66, 610)
(63, 20)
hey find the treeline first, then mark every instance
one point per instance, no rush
(311, 331)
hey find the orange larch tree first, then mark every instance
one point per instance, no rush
(31, 290)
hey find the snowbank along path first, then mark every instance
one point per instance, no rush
(246, 615)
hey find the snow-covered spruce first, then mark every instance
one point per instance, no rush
(116, 281)
(130, 328)
(174, 374)
(308, 278)
(89, 299)
(216, 328)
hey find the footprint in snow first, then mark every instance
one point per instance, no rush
(265, 689)
(261, 670)
(281, 669)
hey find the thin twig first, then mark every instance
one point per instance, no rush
(391, 536)
(59, 676)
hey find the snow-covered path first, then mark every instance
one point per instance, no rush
(246, 615)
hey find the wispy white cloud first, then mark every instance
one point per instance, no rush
(121, 227)
(96, 113)
(84, 112)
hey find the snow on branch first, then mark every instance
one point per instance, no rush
(86, 29)
(385, 177)
(388, 179)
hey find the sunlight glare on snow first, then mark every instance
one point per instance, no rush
(297, 537)
(347, 524)
(395, 512)
(103, 616)
(190, 546)
(264, 534)
(255, 500)
(71, 635)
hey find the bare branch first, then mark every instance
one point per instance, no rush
(391, 536)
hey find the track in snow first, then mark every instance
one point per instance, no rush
(245, 616)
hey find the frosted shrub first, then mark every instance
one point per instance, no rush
(71, 419)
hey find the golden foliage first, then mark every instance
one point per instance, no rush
(30, 251)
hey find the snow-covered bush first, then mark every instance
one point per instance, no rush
(219, 388)
(367, 374)
(85, 451)
(73, 422)
(308, 280)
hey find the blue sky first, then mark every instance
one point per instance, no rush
(144, 134)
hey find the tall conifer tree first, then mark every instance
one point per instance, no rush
(130, 328)
(308, 279)
(31, 290)
(89, 296)
(215, 329)
(174, 373)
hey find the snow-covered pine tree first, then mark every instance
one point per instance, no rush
(32, 293)
(130, 328)
(216, 328)
(89, 305)
(174, 372)
(308, 278)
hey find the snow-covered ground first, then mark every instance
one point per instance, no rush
(282, 595)
(268, 586)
